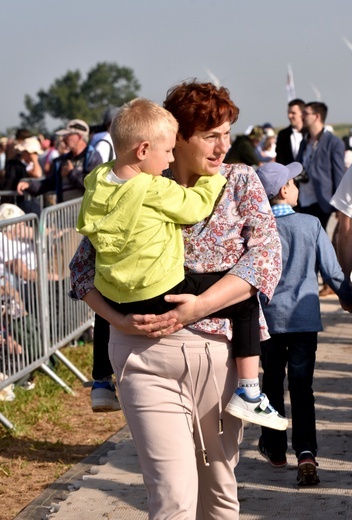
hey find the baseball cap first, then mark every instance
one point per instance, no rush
(274, 176)
(30, 145)
(75, 126)
(109, 115)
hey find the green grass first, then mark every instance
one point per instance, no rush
(342, 129)
(46, 401)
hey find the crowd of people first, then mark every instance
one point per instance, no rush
(173, 241)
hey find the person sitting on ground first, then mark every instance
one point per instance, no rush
(294, 320)
(139, 252)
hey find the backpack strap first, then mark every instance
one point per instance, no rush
(111, 153)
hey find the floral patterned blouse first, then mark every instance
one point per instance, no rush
(239, 236)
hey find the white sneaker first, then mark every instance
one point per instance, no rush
(103, 397)
(257, 411)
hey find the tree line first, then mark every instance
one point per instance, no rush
(75, 97)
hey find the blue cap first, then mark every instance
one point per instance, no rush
(274, 176)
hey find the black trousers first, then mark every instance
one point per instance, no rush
(244, 316)
(295, 352)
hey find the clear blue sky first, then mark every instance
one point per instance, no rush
(246, 44)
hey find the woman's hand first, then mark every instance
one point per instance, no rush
(144, 324)
(345, 306)
(187, 311)
(131, 323)
(13, 346)
(22, 186)
(225, 292)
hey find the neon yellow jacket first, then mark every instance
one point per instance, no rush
(135, 230)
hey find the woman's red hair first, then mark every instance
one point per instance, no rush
(200, 106)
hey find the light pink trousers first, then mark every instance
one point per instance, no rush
(160, 385)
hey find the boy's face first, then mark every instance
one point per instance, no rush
(291, 193)
(160, 155)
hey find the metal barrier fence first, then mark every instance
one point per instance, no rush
(12, 197)
(37, 316)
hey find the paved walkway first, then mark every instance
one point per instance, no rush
(108, 485)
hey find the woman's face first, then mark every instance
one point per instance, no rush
(204, 152)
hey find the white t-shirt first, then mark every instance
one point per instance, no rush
(102, 143)
(296, 138)
(13, 250)
(342, 198)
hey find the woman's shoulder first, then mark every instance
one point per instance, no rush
(234, 171)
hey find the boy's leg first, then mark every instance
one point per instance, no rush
(103, 393)
(301, 363)
(246, 344)
(273, 444)
(248, 402)
(102, 368)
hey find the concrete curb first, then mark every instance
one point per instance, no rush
(108, 483)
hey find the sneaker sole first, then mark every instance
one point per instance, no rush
(276, 424)
(104, 406)
(273, 464)
(307, 474)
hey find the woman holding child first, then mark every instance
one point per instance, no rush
(173, 388)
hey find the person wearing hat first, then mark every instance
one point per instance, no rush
(102, 141)
(294, 320)
(22, 165)
(67, 174)
(30, 151)
(244, 148)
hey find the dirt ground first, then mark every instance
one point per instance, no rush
(29, 465)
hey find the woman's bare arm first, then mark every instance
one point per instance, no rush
(344, 243)
(131, 323)
(227, 291)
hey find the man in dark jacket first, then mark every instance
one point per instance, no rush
(67, 174)
(322, 155)
(289, 139)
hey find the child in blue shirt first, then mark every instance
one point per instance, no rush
(294, 320)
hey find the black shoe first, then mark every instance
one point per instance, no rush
(275, 460)
(307, 469)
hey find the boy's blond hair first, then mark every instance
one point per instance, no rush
(141, 120)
